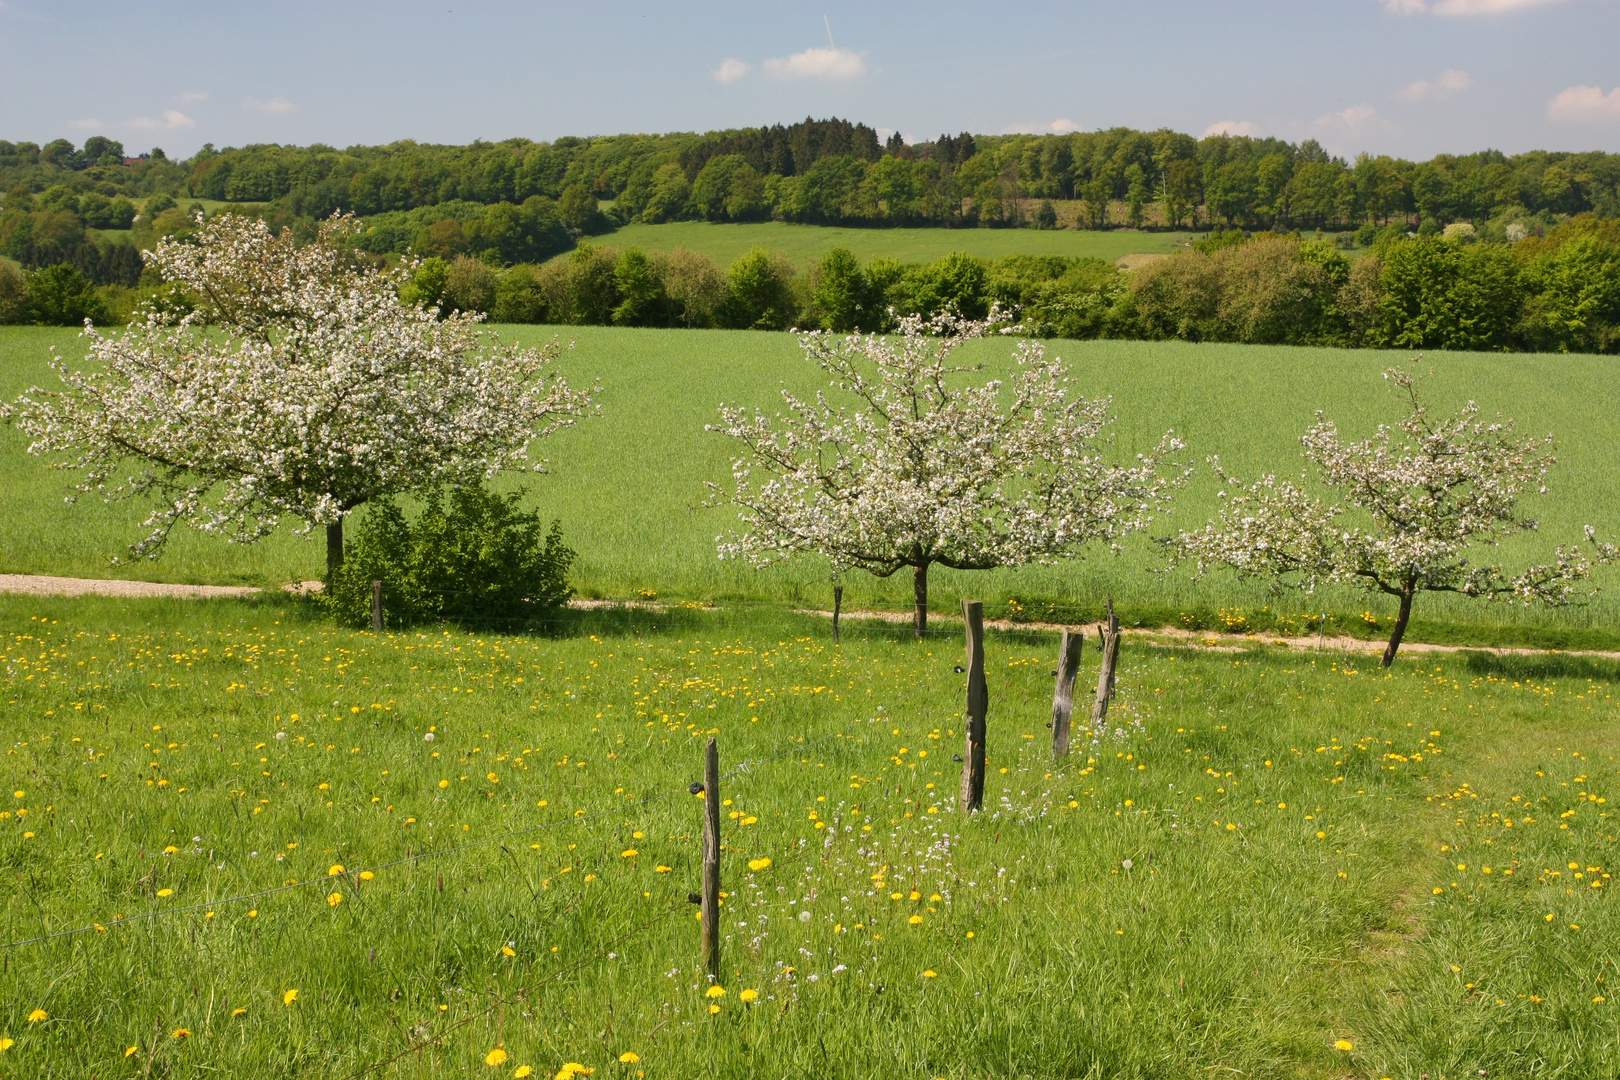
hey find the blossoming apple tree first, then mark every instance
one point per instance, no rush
(291, 382)
(1412, 502)
(917, 466)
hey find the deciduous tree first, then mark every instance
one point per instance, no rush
(297, 386)
(1413, 502)
(919, 468)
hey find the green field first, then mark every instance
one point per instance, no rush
(724, 243)
(629, 486)
(1267, 857)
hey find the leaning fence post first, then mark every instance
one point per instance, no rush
(1069, 656)
(376, 605)
(710, 911)
(1105, 674)
(838, 602)
(978, 703)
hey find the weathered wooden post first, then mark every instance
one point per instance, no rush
(376, 606)
(710, 911)
(978, 703)
(838, 602)
(1070, 653)
(1105, 675)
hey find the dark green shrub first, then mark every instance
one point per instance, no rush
(471, 556)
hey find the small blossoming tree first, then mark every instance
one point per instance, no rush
(921, 467)
(298, 386)
(1413, 502)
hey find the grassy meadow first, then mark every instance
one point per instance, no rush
(725, 242)
(629, 490)
(463, 854)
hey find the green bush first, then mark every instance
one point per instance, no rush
(471, 556)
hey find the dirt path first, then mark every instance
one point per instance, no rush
(1217, 642)
(43, 585)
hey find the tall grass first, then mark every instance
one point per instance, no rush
(1262, 857)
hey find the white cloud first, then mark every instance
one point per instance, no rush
(1585, 103)
(732, 69)
(1356, 116)
(191, 97)
(1231, 127)
(1448, 82)
(275, 106)
(1460, 7)
(818, 63)
(87, 124)
(173, 120)
(1059, 127)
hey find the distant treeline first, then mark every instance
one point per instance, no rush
(836, 172)
(1557, 293)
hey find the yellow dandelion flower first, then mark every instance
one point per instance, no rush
(1343, 1044)
(367, 875)
(254, 914)
(38, 1015)
(334, 870)
(748, 996)
(915, 895)
(444, 783)
(496, 1056)
(759, 864)
(1597, 1000)
(629, 1057)
(713, 1009)
(181, 1033)
(930, 974)
(629, 853)
(129, 1051)
(523, 1070)
(506, 950)
(492, 778)
(170, 850)
(662, 869)
(165, 892)
(916, 920)
(7, 1044)
(1549, 916)
(715, 992)
(289, 997)
(238, 1012)
(335, 899)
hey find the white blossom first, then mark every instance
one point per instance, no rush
(297, 386)
(914, 466)
(1413, 502)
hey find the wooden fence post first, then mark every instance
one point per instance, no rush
(376, 605)
(710, 911)
(1105, 675)
(838, 602)
(1070, 654)
(978, 703)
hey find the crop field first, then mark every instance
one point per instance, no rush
(724, 243)
(629, 489)
(240, 842)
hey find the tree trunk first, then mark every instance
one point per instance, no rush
(334, 550)
(919, 585)
(1400, 628)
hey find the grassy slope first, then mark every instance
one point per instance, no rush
(628, 487)
(1315, 853)
(724, 243)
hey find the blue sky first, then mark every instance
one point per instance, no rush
(1406, 77)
